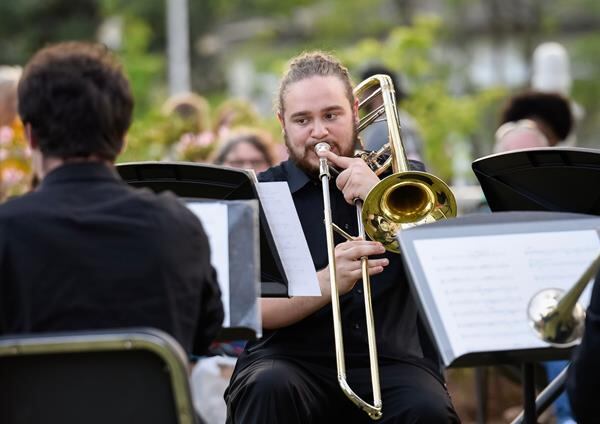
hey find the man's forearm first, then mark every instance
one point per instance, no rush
(282, 312)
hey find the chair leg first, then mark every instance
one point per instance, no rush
(481, 384)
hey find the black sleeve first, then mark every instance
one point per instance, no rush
(211, 315)
(583, 381)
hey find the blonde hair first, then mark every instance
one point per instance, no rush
(189, 106)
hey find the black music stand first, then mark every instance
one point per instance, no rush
(433, 288)
(202, 181)
(546, 179)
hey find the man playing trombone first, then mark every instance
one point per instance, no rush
(289, 376)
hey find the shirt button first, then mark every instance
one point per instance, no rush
(357, 326)
(346, 226)
(359, 291)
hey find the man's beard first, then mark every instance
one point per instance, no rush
(310, 169)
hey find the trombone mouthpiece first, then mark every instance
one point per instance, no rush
(322, 146)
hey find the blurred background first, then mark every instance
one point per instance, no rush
(457, 62)
(458, 59)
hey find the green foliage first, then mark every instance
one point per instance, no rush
(28, 25)
(444, 119)
(146, 70)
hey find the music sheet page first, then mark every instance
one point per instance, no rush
(286, 229)
(481, 285)
(215, 222)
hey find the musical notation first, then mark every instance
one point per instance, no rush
(482, 284)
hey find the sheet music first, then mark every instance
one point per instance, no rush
(289, 238)
(482, 285)
(215, 222)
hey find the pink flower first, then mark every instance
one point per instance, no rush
(6, 135)
(12, 176)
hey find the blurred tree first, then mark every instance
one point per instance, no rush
(445, 119)
(27, 25)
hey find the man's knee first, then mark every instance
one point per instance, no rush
(264, 383)
(271, 380)
(432, 410)
(268, 390)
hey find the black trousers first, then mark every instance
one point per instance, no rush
(281, 390)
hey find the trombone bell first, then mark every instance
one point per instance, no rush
(556, 316)
(561, 328)
(404, 200)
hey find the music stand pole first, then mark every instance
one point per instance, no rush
(529, 413)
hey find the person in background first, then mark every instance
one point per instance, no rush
(376, 135)
(85, 250)
(551, 73)
(246, 148)
(189, 122)
(533, 119)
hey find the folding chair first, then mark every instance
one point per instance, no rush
(123, 376)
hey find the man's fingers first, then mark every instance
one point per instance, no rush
(349, 245)
(364, 249)
(339, 161)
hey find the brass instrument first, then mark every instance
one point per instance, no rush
(556, 316)
(405, 198)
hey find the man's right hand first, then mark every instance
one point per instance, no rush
(281, 312)
(347, 258)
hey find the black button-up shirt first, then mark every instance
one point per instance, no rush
(86, 251)
(395, 311)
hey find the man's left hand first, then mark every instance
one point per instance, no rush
(356, 179)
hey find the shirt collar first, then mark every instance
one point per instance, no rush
(80, 171)
(296, 177)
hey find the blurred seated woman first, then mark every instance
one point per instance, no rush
(246, 148)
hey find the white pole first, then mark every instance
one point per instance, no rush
(178, 46)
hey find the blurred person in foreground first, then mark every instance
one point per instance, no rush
(246, 148)
(289, 376)
(85, 250)
(583, 378)
(376, 135)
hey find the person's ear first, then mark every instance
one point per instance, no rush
(31, 138)
(355, 108)
(123, 145)
(281, 122)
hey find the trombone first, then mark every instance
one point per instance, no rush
(405, 198)
(557, 317)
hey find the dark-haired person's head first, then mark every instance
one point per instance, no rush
(376, 68)
(551, 112)
(75, 102)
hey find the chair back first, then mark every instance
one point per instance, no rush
(96, 377)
